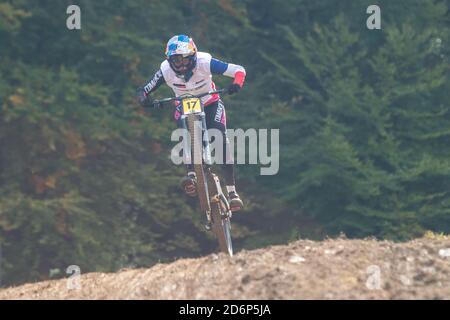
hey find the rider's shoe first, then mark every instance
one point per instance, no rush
(208, 226)
(189, 184)
(236, 203)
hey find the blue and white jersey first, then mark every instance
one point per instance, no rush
(200, 81)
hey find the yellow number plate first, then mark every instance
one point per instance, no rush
(191, 105)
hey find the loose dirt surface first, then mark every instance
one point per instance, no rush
(330, 269)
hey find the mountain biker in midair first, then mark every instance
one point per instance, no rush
(187, 71)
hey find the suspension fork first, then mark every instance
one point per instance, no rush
(205, 141)
(206, 149)
(186, 142)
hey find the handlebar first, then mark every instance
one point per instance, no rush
(166, 100)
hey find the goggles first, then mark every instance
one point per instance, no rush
(179, 60)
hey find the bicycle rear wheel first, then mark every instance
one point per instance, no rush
(220, 217)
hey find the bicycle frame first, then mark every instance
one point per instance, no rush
(212, 200)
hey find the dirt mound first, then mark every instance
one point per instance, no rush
(331, 269)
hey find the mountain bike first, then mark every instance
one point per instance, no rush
(213, 202)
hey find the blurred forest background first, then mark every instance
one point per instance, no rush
(85, 173)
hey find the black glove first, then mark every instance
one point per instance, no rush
(234, 88)
(144, 100)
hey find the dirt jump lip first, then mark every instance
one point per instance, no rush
(330, 269)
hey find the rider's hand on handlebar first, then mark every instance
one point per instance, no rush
(144, 101)
(234, 88)
(148, 102)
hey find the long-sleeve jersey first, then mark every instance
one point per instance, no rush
(200, 80)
